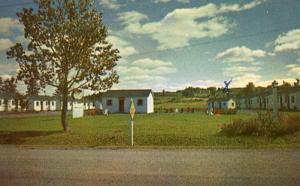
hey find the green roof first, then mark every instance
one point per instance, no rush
(41, 98)
(127, 93)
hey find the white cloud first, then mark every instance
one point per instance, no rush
(198, 83)
(8, 70)
(152, 64)
(241, 75)
(124, 47)
(289, 41)
(166, 1)
(110, 4)
(178, 27)
(235, 71)
(243, 80)
(9, 24)
(5, 44)
(294, 69)
(145, 72)
(240, 54)
(22, 39)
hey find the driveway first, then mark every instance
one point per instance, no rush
(24, 166)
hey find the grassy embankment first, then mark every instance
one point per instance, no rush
(155, 130)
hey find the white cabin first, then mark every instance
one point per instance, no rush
(118, 101)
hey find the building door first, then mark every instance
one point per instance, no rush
(42, 105)
(121, 105)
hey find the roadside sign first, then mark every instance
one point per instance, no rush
(78, 106)
(132, 109)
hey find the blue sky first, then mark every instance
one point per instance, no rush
(172, 44)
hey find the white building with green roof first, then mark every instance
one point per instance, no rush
(118, 101)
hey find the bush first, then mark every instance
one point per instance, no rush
(263, 125)
(290, 124)
(230, 111)
(222, 111)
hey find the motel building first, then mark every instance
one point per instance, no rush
(41, 103)
(7, 103)
(118, 101)
(221, 103)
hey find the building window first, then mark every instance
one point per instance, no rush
(109, 102)
(37, 103)
(232, 104)
(140, 102)
(52, 103)
(293, 99)
(286, 99)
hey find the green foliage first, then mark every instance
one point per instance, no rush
(8, 86)
(263, 125)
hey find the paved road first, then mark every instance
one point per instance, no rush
(19, 166)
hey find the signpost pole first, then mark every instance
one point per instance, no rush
(131, 132)
(132, 112)
(275, 101)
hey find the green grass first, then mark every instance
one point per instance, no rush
(166, 102)
(181, 105)
(156, 130)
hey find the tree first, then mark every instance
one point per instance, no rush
(8, 86)
(285, 85)
(297, 83)
(67, 48)
(250, 88)
(1, 83)
(189, 91)
(212, 91)
(57, 93)
(33, 88)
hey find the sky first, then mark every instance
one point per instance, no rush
(173, 44)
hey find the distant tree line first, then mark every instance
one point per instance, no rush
(248, 90)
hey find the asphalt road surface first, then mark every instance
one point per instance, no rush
(23, 166)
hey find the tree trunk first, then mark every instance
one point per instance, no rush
(64, 111)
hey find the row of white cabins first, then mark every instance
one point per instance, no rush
(286, 100)
(114, 101)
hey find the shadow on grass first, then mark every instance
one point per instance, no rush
(20, 137)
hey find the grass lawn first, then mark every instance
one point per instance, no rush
(181, 105)
(179, 102)
(156, 130)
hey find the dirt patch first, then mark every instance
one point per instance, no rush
(20, 137)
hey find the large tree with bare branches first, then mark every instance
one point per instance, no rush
(67, 48)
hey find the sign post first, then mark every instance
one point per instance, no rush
(275, 101)
(132, 112)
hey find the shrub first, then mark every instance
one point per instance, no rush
(263, 125)
(290, 124)
(230, 111)
(217, 111)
